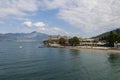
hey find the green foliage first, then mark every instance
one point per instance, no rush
(117, 31)
(74, 41)
(62, 41)
(71, 41)
(112, 38)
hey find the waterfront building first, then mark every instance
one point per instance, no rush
(91, 42)
(117, 45)
(54, 40)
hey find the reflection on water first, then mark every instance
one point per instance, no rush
(74, 52)
(114, 57)
(33, 63)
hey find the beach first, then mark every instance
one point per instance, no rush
(106, 49)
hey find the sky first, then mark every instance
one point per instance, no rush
(83, 18)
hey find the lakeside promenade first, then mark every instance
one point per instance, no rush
(108, 49)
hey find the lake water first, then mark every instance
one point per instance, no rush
(33, 63)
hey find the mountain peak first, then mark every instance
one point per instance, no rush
(36, 36)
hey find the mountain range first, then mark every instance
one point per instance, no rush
(33, 36)
(37, 36)
(116, 31)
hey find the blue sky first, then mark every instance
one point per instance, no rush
(83, 18)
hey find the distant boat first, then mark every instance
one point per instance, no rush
(41, 46)
(20, 46)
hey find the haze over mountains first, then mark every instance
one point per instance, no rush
(33, 36)
(37, 36)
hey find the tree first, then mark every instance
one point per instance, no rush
(71, 42)
(111, 38)
(118, 38)
(117, 31)
(62, 41)
(74, 41)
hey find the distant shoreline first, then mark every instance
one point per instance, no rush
(94, 48)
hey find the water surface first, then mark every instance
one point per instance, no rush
(33, 63)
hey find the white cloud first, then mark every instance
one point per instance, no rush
(36, 24)
(41, 27)
(17, 7)
(28, 23)
(22, 19)
(88, 15)
(39, 24)
(53, 31)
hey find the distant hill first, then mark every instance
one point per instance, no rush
(33, 36)
(117, 31)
